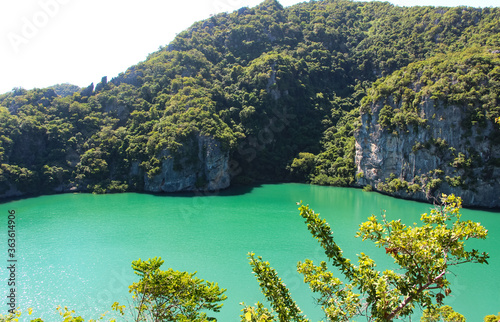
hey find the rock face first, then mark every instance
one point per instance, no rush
(203, 166)
(198, 165)
(11, 192)
(442, 155)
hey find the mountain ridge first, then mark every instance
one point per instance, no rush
(279, 90)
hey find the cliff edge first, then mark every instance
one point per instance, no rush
(430, 129)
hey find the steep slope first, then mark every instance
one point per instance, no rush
(430, 129)
(261, 94)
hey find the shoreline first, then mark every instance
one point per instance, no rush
(236, 189)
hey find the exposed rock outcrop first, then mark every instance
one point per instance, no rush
(11, 192)
(440, 155)
(100, 86)
(88, 91)
(202, 166)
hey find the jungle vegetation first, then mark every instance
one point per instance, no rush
(279, 88)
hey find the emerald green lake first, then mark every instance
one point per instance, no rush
(76, 250)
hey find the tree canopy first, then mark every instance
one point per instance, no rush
(424, 255)
(172, 295)
(272, 84)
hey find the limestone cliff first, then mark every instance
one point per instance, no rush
(430, 129)
(201, 165)
(438, 156)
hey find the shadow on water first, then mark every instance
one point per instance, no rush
(233, 190)
(6, 200)
(236, 190)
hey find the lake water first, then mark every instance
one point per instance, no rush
(76, 250)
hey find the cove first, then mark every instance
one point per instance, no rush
(76, 250)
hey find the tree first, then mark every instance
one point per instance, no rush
(302, 166)
(492, 318)
(275, 291)
(172, 295)
(425, 255)
(444, 313)
(159, 296)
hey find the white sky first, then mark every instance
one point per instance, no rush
(46, 42)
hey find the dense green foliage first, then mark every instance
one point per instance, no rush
(469, 82)
(276, 293)
(424, 255)
(444, 313)
(158, 296)
(172, 295)
(468, 78)
(279, 88)
(65, 89)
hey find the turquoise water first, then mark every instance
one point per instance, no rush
(76, 250)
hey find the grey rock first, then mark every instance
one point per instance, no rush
(88, 91)
(205, 167)
(380, 153)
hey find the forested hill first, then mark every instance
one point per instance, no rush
(260, 94)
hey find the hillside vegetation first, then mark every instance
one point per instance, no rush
(433, 123)
(279, 89)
